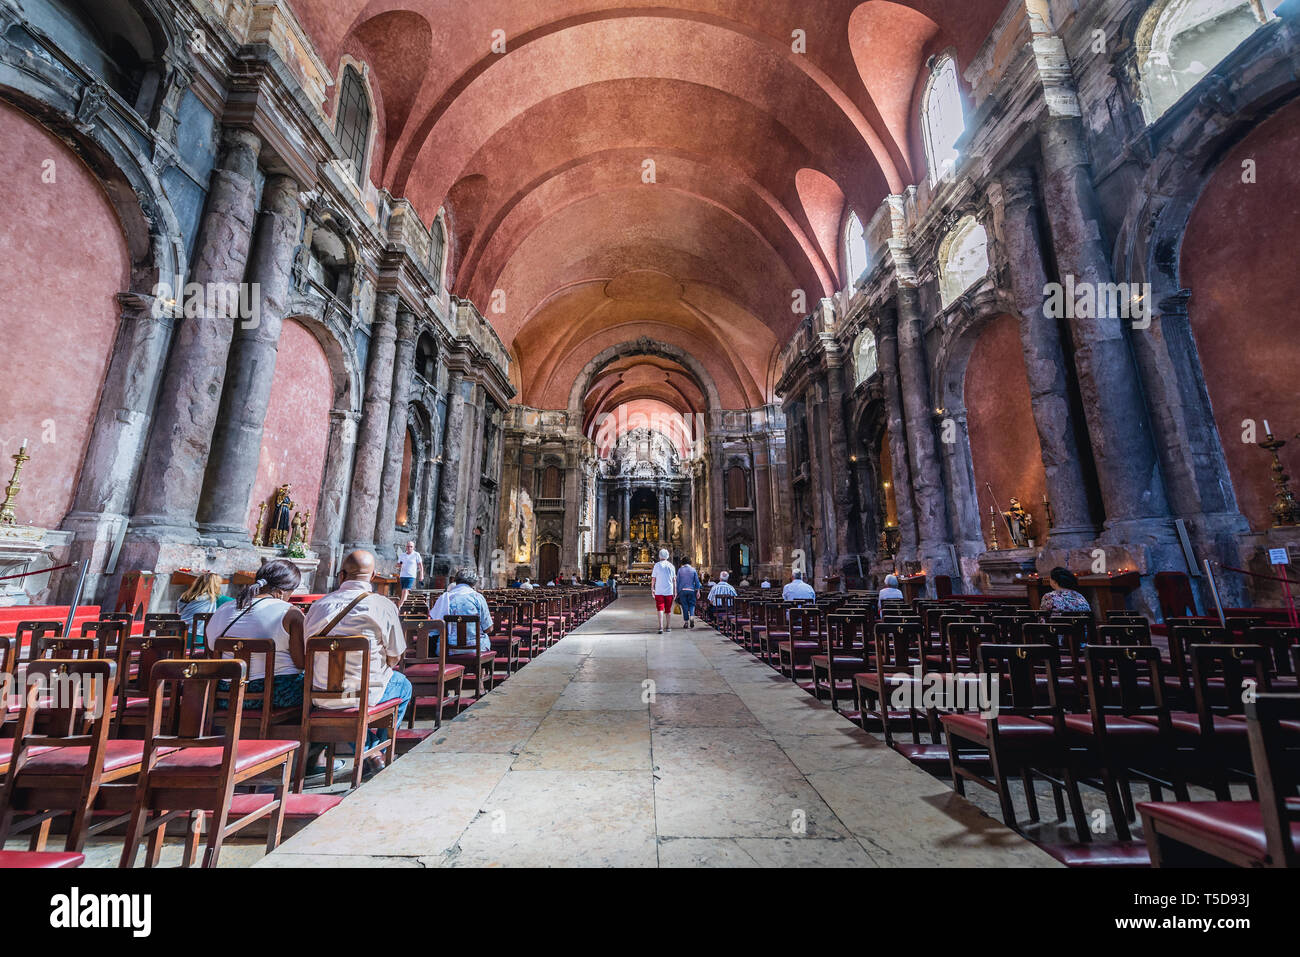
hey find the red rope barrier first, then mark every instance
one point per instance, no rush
(39, 571)
(1271, 578)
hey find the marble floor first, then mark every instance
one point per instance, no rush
(620, 747)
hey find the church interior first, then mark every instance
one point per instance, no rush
(932, 346)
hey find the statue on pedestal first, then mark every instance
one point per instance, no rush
(676, 526)
(613, 530)
(1019, 523)
(281, 517)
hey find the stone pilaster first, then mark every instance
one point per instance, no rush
(841, 474)
(190, 395)
(1045, 365)
(930, 497)
(332, 506)
(896, 435)
(237, 442)
(391, 484)
(448, 486)
(372, 437)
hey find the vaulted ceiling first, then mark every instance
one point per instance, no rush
(541, 156)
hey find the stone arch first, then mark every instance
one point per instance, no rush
(641, 347)
(330, 329)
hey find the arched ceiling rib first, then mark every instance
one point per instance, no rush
(538, 155)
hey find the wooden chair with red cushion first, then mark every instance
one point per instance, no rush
(426, 667)
(136, 656)
(28, 860)
(845, 652)
(505, 643)
(190, 772)
(198, 637)
(1025, 738)
(794, 656)
(1126, 633)
(1262, 833)
(463, 632)
(259, 713)
(963, 644)
(108, 636)
(1223, 677)
(529, 630)
(1280, 642)
(775, 631)
(896, 651)
(1181, 637)
(333, 725)
(62, 755)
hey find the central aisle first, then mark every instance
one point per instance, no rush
(621, 747)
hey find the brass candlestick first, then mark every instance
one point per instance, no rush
(7, 514)
(1285, 510)
(261, 517)
(993, 528)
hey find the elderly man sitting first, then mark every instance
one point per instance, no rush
(461, 598)
(798, 590)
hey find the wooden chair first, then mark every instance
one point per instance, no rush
(1223, 676)
(27, 632)
(505, 643)
(1263, 833)
(198, 636)
(78, 649)
(462, 640)
(1025, 738)
(897, 650)
(108, 636)
(324, 722)
(1280, 642)
(188, 771)
(794, 656)
(136, 657)
(259, 713)
(845, 652)
(61, 754)
(1127, 633)
(426, 667)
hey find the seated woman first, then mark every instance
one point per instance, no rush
(891, 591)
(1064, 597)
(201, 598)
(263, 611)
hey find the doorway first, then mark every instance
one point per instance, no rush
(548, 563)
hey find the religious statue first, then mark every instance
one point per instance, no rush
(676, 526)
(613, 530)
(281, 517)
(298, 530)
(1019, 523)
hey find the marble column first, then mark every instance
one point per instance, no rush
(1045, 367)
(717, 506)
(237, 442)
(572, 551)
(448, 486)
(428, 506)
(372, 437)
(896, 435)
(1128, 470)
(625, 491)
(331, 508)
(391, 484)
(841, 475)
(190, 394)
(930, 496)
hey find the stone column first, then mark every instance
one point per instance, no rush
(1128, 470)
(190, 395)
(327, 520)
(391, 484)
(625, 490)
(896, 435)
(572, 551)
(448, 490)
(237, 442)
(1045, 365)
(717, 506)
(428, 506)
(931, 498)
(372, 437)
(841, 474)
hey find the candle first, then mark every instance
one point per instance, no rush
(24, 448)
(1267, 430)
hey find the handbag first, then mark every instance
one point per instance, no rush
(677, 607)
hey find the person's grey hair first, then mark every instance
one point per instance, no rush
(798, 576)
(663, 554)
(465, 576)
(891, 581)
(723, 576)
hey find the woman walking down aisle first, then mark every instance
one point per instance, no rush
(688, 589)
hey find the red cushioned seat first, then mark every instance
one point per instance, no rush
(296, 806)
(7, 751)
(352, 712)
(31, 860)
(431, 671)
(248, 754)
(1189, 723)
(869, 679)
(1237, 824)
(1111, 854)
(934, 757)
(1010, 726)
(1117, 725)
(117, 756)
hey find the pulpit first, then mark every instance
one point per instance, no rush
(1107, 593)
(913, 587)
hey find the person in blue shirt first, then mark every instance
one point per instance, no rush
(798, 590)
(688, 589)
(461, 598)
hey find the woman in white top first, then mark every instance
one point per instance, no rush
(263, 611)
(890, 592)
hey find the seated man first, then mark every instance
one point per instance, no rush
(890, 592)
(721, 588)
(461, 598)
(371, 616)
(798, 590)
(526, 585)
(766, 584)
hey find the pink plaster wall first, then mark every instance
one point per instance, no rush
(296, 434)
(1237, 259)
(1003, 438)
(65, 259)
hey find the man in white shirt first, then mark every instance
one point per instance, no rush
(374, 617)
(462, 598)
(410, 570)
(526, 585)
(663, 579)
(721, 588)
(798, 590)
(766, 584)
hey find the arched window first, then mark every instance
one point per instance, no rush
(426, 358)
(867, 358)
(437, 250)
(943, 118)
(353, 127)
(855, 250)
(1186, 40)
(963, 259)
